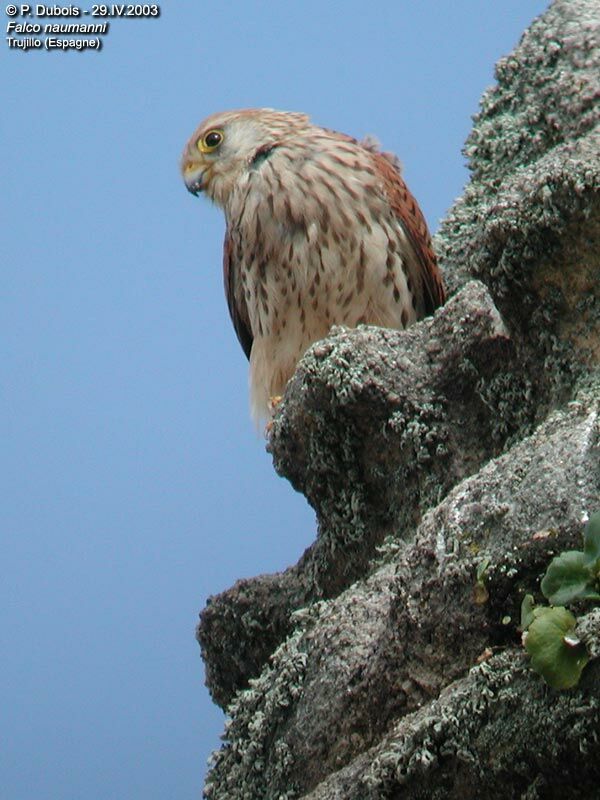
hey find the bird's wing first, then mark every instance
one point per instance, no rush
(404, 206)
(234, 293)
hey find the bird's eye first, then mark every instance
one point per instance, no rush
(210, 141)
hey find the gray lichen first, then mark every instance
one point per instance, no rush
(254, 758)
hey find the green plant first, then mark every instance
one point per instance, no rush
(549, 632)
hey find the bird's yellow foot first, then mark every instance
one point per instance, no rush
(273, 403)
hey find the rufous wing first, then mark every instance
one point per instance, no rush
(405, 207)
(236, 302)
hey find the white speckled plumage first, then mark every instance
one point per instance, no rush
(321, 230)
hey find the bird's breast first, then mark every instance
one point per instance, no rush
(312, 251)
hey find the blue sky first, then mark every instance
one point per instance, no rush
(134, 483)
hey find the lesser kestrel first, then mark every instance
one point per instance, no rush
(321, 231)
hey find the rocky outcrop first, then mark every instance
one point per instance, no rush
(373, 668)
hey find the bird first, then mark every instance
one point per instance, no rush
(321, 230)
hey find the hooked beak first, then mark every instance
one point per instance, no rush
(193, 177)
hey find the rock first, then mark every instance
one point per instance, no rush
(528, 224)
(497, 733)
(376, 425)
(447, 465)
(391, 643)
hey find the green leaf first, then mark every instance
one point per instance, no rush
(480, 592)
(481, 570)
(569, 577)
(591, 539)
(527, 607)
(556, 654)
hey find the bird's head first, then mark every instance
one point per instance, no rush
(226, 145)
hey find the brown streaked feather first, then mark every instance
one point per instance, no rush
(410, 217)
(236, 301)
